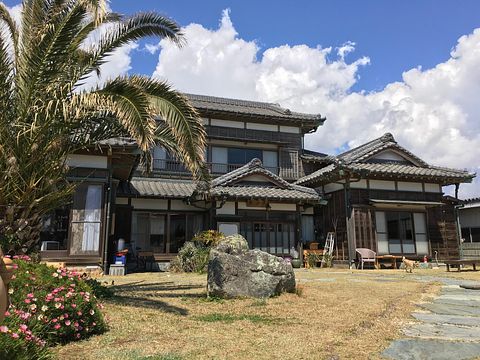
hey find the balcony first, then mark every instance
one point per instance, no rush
(175, 168)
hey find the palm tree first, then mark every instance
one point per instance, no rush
(45, 115)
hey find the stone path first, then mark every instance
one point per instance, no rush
(448, 327)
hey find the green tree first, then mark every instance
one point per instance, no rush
(45, 115)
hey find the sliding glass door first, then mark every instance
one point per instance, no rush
(401, 232)
(273, 237)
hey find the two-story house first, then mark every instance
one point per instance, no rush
(254, 156)
(265, 186)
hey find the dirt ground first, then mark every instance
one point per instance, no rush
(336, 314)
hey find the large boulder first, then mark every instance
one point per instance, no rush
(236, 272)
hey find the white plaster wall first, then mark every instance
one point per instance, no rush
(267, 127)
(227, 123)
(256, 178)
(389, 155)
(242, 144)
(283, 207)
(290, 129)
(87, 161)
(362, 184)
(204, 121)
(150, 204)
(243, 206)
(434, 188)
(227, 209)
(180, 205)
(382, 185)
(409, 186)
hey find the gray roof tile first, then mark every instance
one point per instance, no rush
(355, 160)
(264, 109)
(228, 184)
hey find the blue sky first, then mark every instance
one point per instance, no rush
(396, 35)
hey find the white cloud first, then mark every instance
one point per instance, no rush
(116, 64)
(434, 112)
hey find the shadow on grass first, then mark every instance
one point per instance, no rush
(153, 295)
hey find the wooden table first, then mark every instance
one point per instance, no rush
(307, 252)
(462, 262)
(392, 259)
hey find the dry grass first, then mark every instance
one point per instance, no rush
(336, 314)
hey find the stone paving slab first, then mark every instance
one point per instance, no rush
(459, 302)
(443, 332)
(449, 309)
(418, 349)
(459, 296)
(447, 319)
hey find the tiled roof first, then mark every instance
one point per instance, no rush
(246, 107)
(162, 188)
(355, 161)
(265, 192)
(119, 142)
(363, 152)
(227, 185)
(254, 167)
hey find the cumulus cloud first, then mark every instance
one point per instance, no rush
(432, 112)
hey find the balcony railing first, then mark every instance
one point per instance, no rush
(168, 166)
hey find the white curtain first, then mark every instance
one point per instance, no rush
(91, 226)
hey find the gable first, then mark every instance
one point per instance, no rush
(390, 155)
(393, 156)
(256, 178)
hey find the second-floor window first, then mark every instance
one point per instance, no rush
(227, 159)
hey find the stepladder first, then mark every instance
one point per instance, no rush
(328, 248)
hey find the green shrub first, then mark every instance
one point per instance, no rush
(191, 258)
(99, 290)
(57, 306)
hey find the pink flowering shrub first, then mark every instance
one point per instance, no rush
(54, 306)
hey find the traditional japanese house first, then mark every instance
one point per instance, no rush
(382, 197)
(264, 185)
(253, 155)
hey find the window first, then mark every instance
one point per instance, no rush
(243, 156)
(54, 233)
(400, 232)
(227, 159)
(86, 220)
(471, 234)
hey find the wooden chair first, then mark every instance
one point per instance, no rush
(366, 256)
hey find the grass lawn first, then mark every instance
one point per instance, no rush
(337, 314)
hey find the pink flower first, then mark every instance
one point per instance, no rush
(30, 295)
(28, 301)
(57, 326)
(3, 329)
(79, 313)
(23, 327)
(7, 313)
(74, 306)
(15, 336)
(67, 322)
